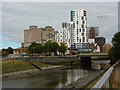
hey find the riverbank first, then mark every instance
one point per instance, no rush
(28, 73)
(19, 69)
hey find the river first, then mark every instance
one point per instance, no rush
(51, 79)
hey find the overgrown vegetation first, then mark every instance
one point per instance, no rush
(114, 52)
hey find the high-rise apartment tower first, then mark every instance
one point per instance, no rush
(79, 19)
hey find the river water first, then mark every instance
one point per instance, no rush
(56, 79)
(51, 79)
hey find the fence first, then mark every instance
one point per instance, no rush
(104, 82)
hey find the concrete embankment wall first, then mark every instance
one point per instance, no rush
(51, 59)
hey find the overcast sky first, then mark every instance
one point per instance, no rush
(17, 16)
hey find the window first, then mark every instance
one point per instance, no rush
(83, 22)
(82, 18)
(83, 39)
(77, 22)
(85, 13)
(80, 29)
(80, 40)
(77, 39)
(83, 30)
(82, 26)
(82, 34)
(73, 25)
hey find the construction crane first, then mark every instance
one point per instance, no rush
(101, 16)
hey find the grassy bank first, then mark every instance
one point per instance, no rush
(16, 65)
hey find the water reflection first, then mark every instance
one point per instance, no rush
(48, 79)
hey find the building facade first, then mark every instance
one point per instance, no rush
(65, 35)
(79, 19)
(59, 37)
(38, 35)
(92, 32)
(68, 33)
(100, 42)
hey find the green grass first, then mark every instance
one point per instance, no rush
(17, 65)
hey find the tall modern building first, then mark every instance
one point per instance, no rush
(68, 36)
(65, 35)
(79, 33)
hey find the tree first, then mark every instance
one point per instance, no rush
(10, 50)
(31, 48)
(35, 48)
(62, 48)
(4, 52)
(38, 48)
(55, 47)
(48, 47)
(114, 52)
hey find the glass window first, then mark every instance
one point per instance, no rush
(83, 30)
(82, 34)
(82, 26)
(80, 29)
(82, 18)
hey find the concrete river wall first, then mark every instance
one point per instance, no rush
(51, 59)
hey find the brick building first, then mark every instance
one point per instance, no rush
(106, 48)
(92, 32)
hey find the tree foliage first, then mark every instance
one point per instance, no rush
(47, 48)
(10, 50)
(114, 52)
(55, 47)
(7, 51)
(62, 48)
(35, 48)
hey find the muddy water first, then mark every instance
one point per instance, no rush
(56, 79)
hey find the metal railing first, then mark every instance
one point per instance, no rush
(104, 81)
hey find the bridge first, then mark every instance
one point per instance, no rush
(96, 56)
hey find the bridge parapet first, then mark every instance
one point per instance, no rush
(104, 82)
